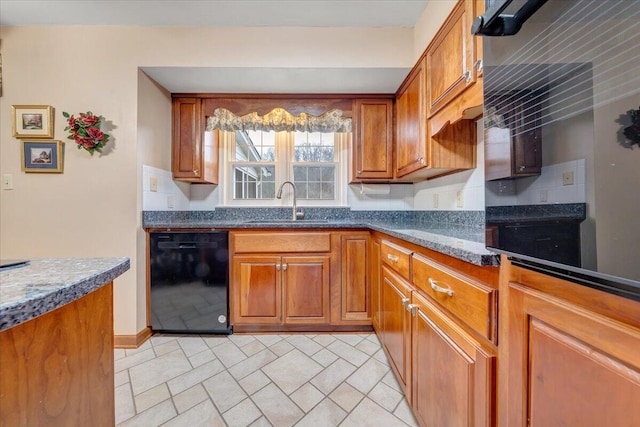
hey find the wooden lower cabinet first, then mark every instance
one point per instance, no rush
(395, 323)
(452, 374)
(374, 276)
(355, 298)
(281, 289)
(569, 355)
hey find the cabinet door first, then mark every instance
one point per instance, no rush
(411, 150)
(450, 58)
(306, 289)
(194, 156)
(396, 323)
(452, 383)
(373, 139)
(567, 365)
(257, 290)
(355, 294)
(374, 275)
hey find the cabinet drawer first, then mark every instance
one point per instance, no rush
(395, 257)
(471, 301)
(281, 242)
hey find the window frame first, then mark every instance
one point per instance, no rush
(283, 164)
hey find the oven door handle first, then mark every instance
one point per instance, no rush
(496, 23)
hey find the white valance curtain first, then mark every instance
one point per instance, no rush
(279, 120)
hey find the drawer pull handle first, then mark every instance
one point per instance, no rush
(413, 309)
(435, 287)
(392, 258)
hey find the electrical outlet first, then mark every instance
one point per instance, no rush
(436, 200)
(7, 181)
(567, 178)
(170, 202)
(544, 195)
(153, 183)
(460, 199)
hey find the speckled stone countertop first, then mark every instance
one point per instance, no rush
(46, 284)
(439, 231)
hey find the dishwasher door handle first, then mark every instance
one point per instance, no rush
(187, 246)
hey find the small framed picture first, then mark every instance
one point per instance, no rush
(42, 156)
(32, 121)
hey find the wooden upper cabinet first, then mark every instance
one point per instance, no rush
(372, 140)
(411, 137)
(450, 58)
(194, 156)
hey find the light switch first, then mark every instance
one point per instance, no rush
(7, 181)
(153, 183)
(544, 195)
(460, 199)
(170, 202)
(436, 200)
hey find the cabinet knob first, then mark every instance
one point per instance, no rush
(285, 266)
(421, 160)
(522, 168)
(479, 64)
(413, 309)
(435, 287)
(358, 172)
(277, 267)
(405, 302)
(467, 76)
(195, 171)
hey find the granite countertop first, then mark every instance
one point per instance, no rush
(465, 243)
(46, 284)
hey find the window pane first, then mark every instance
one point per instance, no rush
(313, 147)
(318, 180)
(255, 146)
(254, 182)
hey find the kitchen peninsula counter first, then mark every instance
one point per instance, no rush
(56, 342)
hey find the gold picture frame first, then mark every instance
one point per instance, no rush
(32, 121)
(42, 156)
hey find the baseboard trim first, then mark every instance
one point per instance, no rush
(132, 341)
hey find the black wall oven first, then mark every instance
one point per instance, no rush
(562, 137)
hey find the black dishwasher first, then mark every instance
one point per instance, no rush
(189, 282)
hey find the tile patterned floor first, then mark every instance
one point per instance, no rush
(297, 380)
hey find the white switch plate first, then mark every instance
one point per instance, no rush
(460, 199)
(567, 178)
(153, 183)
(544, 195)
(7, 181)
(170, 202)
(436, 200)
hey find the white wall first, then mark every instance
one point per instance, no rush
(94, 207)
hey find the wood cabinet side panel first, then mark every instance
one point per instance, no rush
(58, 369)
(355, 283)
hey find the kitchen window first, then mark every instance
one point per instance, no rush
(258, 162)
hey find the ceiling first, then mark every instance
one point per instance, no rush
(237, 13)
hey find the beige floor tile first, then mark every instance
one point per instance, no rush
(325, 414)
(125, 407)
(385, 396)
(241, 339)
(201, 415)
(324, 339)
(304, 344)
(381, 357)
(306, 397)
(368, 375)
(122, 377)
(154, 416)
(194, 376)
(325, 357)
(215, 340)
(292, 370)
(368, 347)
(224, 391)
(166, 347)
(157, 340)
(145, 346)
(346, 396)
(254, 382)
(192, 345)
(268, 339)
(151, 397)
(331, 377)
(277, 407)
(202, 358)
(404, 412)
(190, 397)
(243, 414)
(261, 422)
(119, 353)
(229, 354)
(369, 414)
(156, 371)
(391, 381)
(252, 348)
(280, 348)
(133, 360)
(348, 353)
(351, 339)
(251, 364)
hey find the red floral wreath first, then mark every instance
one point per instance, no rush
(85, 131)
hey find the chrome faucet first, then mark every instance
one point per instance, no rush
(295, 214)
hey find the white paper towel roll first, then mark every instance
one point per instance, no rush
(375, 189)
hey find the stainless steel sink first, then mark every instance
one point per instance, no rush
(287, 221)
